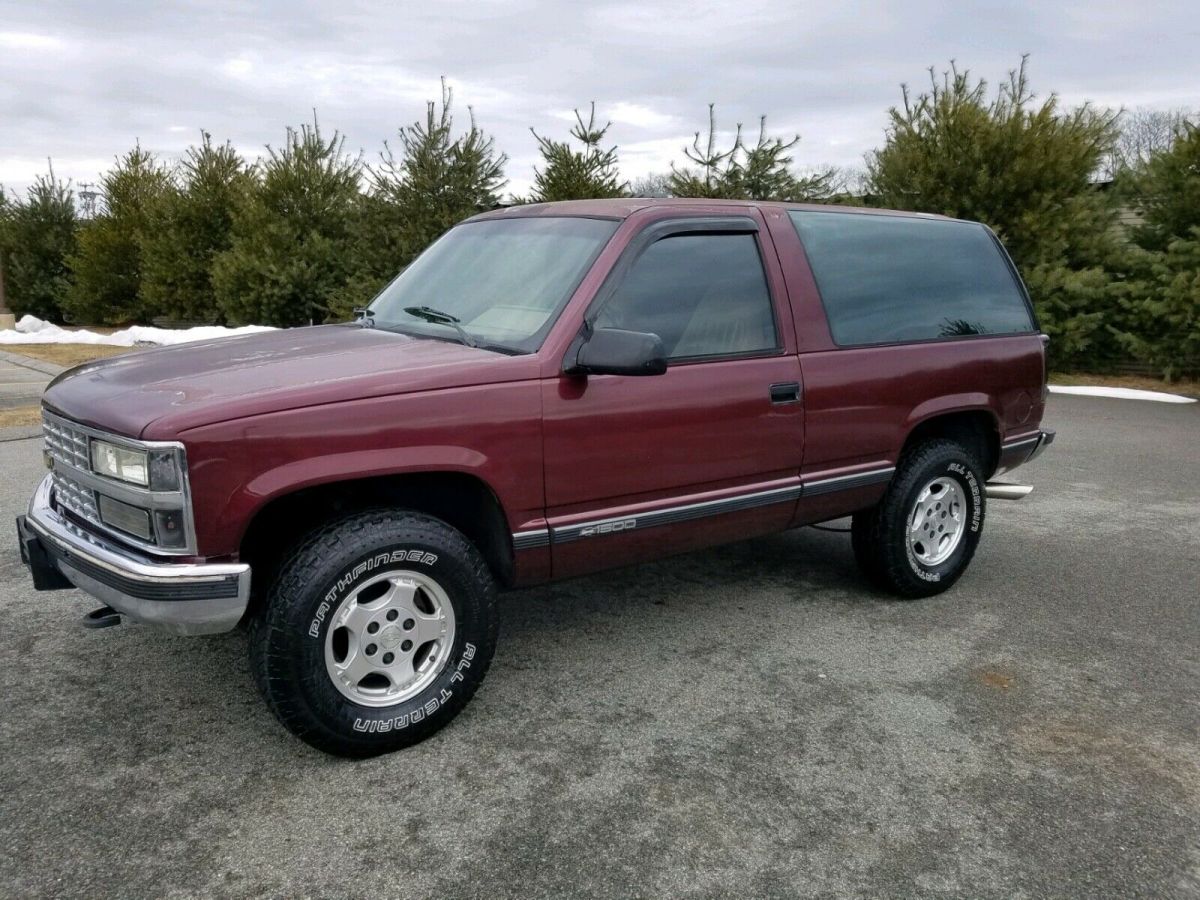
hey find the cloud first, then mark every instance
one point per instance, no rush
(81, 80)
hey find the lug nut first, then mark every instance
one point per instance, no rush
(406, 646)
(392, 614)
(387, 659)
(408, 624)
(372, 628)
(371, 648)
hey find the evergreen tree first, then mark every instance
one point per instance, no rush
(437, 180)
(107, 265)
(190, 225)
(760, 172)
(291, 239)
(569, 174)
(1162, 304)
(37, 235)
(1168, 191)
(1025, 169)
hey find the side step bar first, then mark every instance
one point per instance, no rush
(997, 491)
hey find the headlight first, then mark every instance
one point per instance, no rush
(121, 463)
(155, 469)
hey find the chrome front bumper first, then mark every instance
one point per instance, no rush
(184, 598)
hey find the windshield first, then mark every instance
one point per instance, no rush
(501, 281)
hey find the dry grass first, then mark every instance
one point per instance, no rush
(20, 415)
(1188, 387)
(66, 354)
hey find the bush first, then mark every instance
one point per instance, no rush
(37, 235)
(107, 264)
(189, 226)
(1168, 191)
(290, 249)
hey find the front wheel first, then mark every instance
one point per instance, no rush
(376, 632)
(921, 537)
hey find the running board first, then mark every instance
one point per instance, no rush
(997, 491)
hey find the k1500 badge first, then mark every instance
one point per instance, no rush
(608, 527)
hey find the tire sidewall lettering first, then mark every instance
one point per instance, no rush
(966, 476)
(349, 580)
(416, 710)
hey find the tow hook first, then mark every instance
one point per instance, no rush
(995, 490)
(104, 617)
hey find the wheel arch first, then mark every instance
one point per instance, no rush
(462, 500)
(975, 426)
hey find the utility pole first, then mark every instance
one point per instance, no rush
(7, 319)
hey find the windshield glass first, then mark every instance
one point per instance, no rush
(502, 281)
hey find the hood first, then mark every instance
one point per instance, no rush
(162, 392)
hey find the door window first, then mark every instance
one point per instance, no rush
(704, 295)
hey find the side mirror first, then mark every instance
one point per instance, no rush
(614, 351)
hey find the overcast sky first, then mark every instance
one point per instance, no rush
(81, 81)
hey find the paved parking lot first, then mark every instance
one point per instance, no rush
(749, 721)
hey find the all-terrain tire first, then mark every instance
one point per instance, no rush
(880, 535)
(320, 583)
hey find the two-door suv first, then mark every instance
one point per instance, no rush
(548, 390)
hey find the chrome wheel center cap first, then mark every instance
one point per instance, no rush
(390, 638)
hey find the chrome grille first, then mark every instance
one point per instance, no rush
(75, 498)
(65, 444)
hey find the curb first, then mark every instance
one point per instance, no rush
(20, 433)
(37, 365)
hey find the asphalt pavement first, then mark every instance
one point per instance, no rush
(749, 721)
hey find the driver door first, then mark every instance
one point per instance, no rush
(640, 466)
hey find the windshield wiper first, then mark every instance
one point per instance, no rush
(429, 314)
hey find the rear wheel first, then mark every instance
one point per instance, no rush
(921, 536)
(376, 632)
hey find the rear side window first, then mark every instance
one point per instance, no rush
(885, 279)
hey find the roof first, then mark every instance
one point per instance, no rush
(623, 207)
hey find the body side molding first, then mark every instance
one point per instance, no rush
(670, 515)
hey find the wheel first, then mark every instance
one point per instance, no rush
(921, 536)
(375, 633)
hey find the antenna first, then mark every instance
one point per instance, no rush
(88, 198)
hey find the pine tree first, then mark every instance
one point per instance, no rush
(37, 235)
(107, 265)
(1168, 191)
(585, 174)
(1162, 303)
(763, 171)
(435, 181)
(190, 225)
(1025, 169)
(289, 254)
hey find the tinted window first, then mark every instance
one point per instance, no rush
(900, 278)
(703, 294)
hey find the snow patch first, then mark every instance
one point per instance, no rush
(32, 330)
(1120, 393)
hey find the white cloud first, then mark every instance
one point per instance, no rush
(30, 41)
(639, 116)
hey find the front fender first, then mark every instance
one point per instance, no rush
(491, 432)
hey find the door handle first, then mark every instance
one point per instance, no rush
(785, 392)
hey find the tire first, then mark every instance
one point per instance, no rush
(936, 474)
(376, 632)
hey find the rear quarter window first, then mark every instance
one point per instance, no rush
(888, 279)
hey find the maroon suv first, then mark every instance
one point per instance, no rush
(547, 391)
